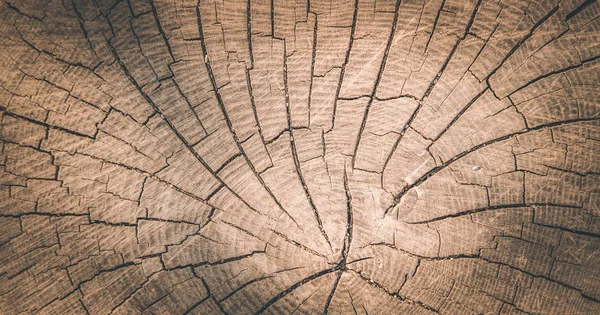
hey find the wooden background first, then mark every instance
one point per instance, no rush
(342, 157)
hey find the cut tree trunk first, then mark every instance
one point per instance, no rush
(324, 156)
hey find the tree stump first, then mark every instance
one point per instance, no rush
(299, 157)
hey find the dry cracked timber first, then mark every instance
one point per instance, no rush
(342, 157)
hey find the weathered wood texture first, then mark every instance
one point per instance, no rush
(295, 156)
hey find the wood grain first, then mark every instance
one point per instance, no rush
(294, 156)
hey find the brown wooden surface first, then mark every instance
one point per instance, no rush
(294, 156)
